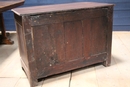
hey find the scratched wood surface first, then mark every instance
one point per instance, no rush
(117, 75)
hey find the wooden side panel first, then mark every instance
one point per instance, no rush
(99, 37)
(49, 45)
(21, 39)
(86, 38)
(73, 40)
(41, 49)
(109, 35)
(32, 69)
(57, 36)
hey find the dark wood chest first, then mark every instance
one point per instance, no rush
(59, 38)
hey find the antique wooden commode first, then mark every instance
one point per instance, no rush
(58, 38)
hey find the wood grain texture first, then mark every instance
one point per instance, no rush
(86, 24)
(73, 40)
(98, 34)
(52, 47)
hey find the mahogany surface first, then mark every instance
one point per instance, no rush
(59, 38)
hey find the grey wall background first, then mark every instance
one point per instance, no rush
(121, 17)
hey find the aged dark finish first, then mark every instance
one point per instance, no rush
(58, 38)
(4, 6)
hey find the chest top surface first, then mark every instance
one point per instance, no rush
(58, 7)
